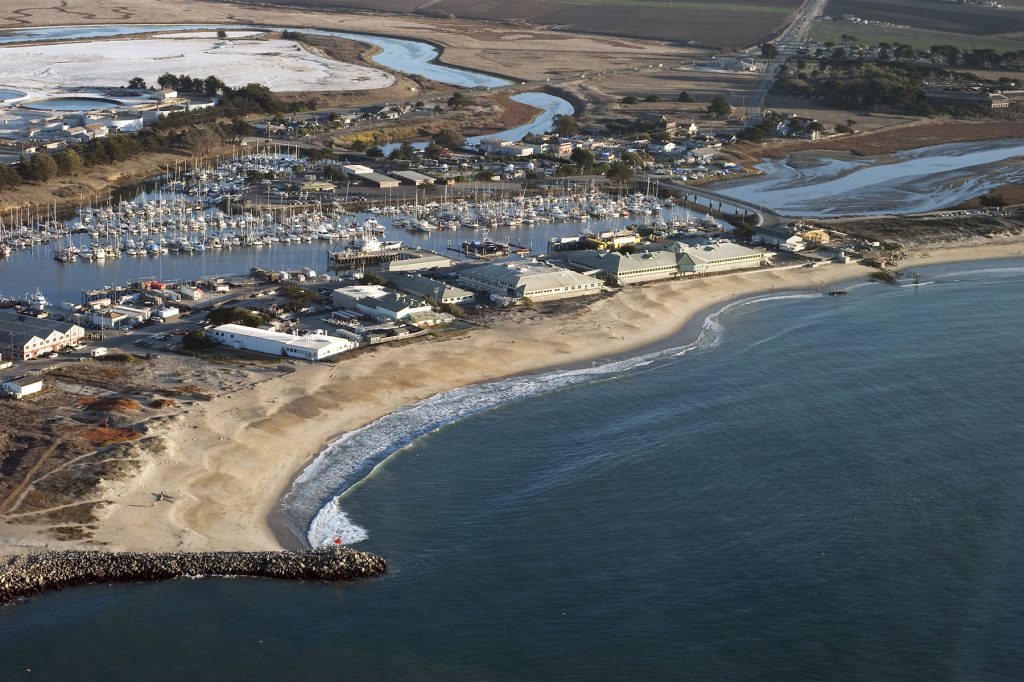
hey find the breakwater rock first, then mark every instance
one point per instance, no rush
(24, 576)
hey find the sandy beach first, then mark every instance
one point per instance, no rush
(229, 461)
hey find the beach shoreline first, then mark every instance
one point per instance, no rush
(230, 461)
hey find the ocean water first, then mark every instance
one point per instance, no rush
(817, 488)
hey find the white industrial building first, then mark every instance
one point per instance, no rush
(378, 302)
(312, 347)
(528, 279)
(119, 317)
(21, 387)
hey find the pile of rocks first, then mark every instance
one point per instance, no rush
(24, 576)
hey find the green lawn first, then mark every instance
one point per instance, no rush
(919, 38)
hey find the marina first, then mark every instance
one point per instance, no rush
(193, 223)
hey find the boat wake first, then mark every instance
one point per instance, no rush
(345, 463)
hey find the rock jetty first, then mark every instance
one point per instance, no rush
(24, 576)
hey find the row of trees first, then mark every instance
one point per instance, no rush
(856, 85)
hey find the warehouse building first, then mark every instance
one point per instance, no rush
(430, 289)
(627, 268)
(718, 257)
(412, 178)
(26, 338)
(378, 180)
(528, 279)
(312, 347)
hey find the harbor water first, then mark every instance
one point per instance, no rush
(805, 487)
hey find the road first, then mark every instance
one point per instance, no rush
(788, 43)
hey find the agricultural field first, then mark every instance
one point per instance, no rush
(829, 31)
(709, 23)
(936, 15)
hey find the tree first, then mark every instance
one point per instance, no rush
(752, 134)
(375, 152)
(993, 200)
(685, 96)
(628, 99)
(433, 150)
(719, 108)
(69, 163)
(137, 83)
(582, 157)
(621, 173)
(213, 85)
(450, 138)
(39, 168)
(221, 33)
(457, 101)
(565, 125)
(652, 98)
(403, 151)
(633, 159)
(769, 51)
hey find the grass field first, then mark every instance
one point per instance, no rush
(708, 23)
(936, 15)
(919, 38)
(673, 4)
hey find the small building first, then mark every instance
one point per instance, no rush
(528, 280)
(21, 387)
(657, 122)
(776, 235)
(191, 293)
(493, 145)
(119, 317)
(313, 347)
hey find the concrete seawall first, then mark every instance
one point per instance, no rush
(25, 576)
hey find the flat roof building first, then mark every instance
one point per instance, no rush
(528, 279)
(312, 347)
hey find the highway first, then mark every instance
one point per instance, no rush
(788, 43)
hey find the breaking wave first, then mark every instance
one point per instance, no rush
(318, 490)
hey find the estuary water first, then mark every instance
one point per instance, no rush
(818, 488)
(913, 181)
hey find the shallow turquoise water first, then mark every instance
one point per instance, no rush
(827, 488)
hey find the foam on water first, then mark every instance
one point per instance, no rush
(317, 492)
